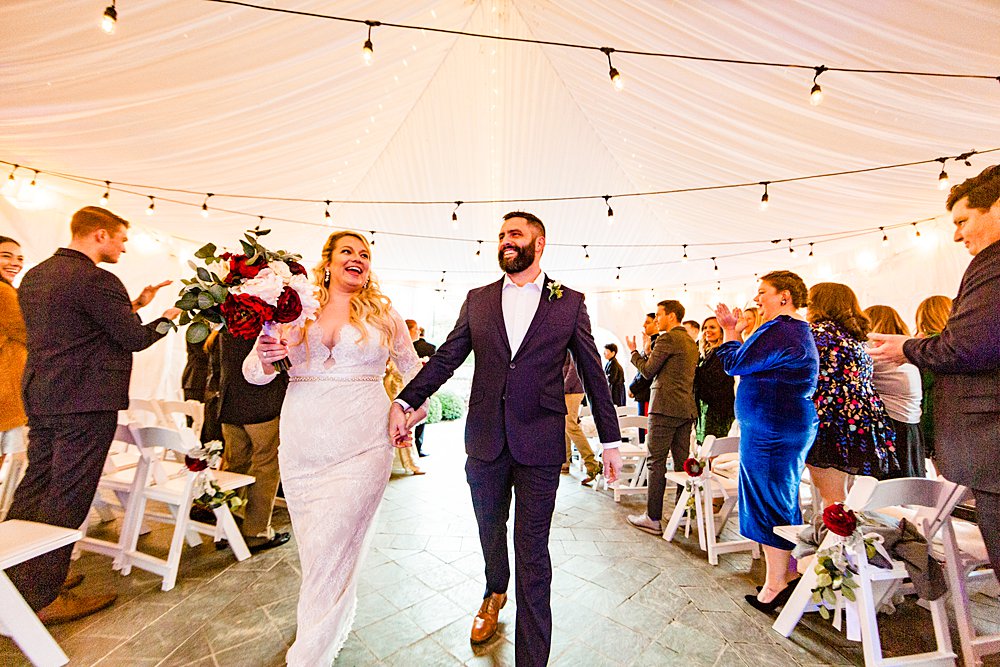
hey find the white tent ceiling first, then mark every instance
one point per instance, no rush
(217, 98)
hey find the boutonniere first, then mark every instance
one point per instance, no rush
(555, 290)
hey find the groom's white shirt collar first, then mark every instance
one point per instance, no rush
(538, 282)
(519, 305)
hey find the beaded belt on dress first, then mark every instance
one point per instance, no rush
(325, 378)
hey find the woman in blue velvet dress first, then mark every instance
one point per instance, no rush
(778, 366)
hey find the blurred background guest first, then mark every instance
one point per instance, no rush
(639, 389)
(899, 388)
(195, 374)
(693, 329)
(714, 389)
(778, 368)
(855, 435)
(13, 354)
(573, 391)
(932, 317)
(753, 317)
(616, 374)
(425, 351)
(212, 428)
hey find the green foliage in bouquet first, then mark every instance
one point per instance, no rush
(434, 409)
(452, 407)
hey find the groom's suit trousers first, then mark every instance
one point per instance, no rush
(534, 487)
(66, 456)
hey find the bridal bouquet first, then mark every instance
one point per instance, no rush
(245, 292)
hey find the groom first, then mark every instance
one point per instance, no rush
(520, 328)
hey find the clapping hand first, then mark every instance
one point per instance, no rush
(630, 343)
(147, 294)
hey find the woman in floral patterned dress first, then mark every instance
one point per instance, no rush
(855, 435)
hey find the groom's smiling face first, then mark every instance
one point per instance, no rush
(519, 244)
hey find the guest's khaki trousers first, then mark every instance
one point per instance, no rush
(252, 449)
(575, 436)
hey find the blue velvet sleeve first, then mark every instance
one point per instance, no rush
(772, 346)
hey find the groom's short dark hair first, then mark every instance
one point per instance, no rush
(533, 220)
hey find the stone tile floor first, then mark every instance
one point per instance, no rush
(620, 597)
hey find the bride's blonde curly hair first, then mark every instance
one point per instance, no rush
(369, 305)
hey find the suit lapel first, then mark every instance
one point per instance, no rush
(543, 309)
(496, 302)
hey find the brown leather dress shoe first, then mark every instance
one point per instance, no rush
(484, 626)
(69, 607)
(72, 581)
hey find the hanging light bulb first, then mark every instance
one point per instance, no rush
(611, 213)
(586, 254)
(885, 237)
(715, 264)
(764, 199)
(326, 211)
(811, 256)
(916, 232)
(618, 276)
(109, 19)
(479, 250)
(685, 288)
(32, 188)
(684, 257)
(204, 205)
(454, 215)
(816, 94)
(107, 193)
(443, 273)
(371, 241)
(943, 176)
(791, 248)
(368, 50)
(151, 209)
(616, 77)
(718, 285)
(10, 183)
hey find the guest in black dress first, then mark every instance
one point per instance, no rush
(714, 389)
(615, 373)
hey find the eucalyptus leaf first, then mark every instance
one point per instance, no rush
(817, 596)
(185, 318)
(248, 249)
(824, 580)
(205, 300)
(189, 300)
(206, 251)
(192, 265)
(849, 594)
(261, 232)
(204, 275)
(164, 327)
(825, 613)
(213, 315)
(218, 292)
(829, 596)
(197, 332)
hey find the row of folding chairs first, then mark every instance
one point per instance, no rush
(145, 480)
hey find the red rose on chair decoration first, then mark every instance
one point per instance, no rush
(296, 268)
(245, 315)
(693, 467)
(840, 520)
(289, 306)
(195, 465)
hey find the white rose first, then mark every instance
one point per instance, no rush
(308, 296)
(267, 286)
(281, 269)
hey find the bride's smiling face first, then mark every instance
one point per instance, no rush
(350, 263)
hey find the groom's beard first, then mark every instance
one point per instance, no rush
(524, 258)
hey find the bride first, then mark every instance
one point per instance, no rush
(335, 454)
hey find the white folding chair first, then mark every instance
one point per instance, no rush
(634, 477)
(11, 473)
(966, 561)
(177, 491)
(626, 410)
(146, 412)
(21, 541)
(936, 499)
(705, 489)
(176, 413)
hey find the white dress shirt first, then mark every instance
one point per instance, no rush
(519, 305)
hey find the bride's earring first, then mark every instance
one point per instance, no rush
(326, 278)
(367, 282)
(784, 301)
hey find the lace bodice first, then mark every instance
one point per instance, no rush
(347, 358)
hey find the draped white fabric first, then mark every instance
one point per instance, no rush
(217, 98)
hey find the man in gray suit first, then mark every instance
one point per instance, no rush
(670, 365)
(965, 358)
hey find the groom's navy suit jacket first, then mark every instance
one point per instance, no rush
(519, 400)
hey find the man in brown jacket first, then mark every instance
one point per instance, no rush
(670, 365)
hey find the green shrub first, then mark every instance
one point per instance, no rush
(452, 407)
(434, 409)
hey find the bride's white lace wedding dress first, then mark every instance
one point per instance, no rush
(335, 458)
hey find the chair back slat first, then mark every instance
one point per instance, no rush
(632, 421)
(150, 437)
(719, 446)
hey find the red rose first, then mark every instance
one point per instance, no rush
(240, 268)
(296, 268)
(245, 315)
(839, 520)
(289, 306)
(693, 467)
(195, 465)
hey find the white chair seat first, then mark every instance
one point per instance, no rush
(21, 541)
(173, 490)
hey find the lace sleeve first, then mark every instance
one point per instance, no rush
(253, 371)
(401, 350)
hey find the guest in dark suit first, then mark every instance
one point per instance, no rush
(195, 375)
(670, 365)
(615, 374)
(82, 330)
(249, 416)
(639, 389)
(425, 351)
(520, 329)
(965, 358)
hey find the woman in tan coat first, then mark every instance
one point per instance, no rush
(13, 351)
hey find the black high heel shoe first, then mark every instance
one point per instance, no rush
(779, 599)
